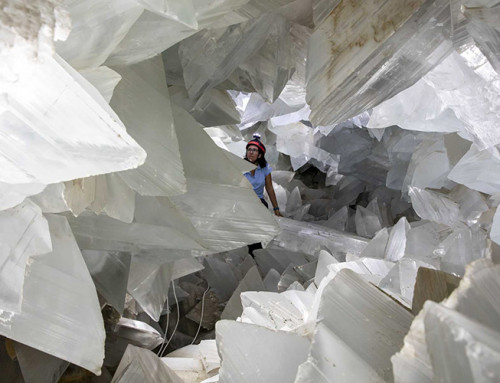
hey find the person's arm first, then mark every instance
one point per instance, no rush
(272, 194)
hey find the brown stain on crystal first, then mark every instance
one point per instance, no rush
(382, 27)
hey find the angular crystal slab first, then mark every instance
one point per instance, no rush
(109, 271)
(13, 194)
(143, 93)
(309, 238)
(245, 360)
(34, 115)
(141, 365)
(59, 296)
(349, 69)
(37, 366)
(434, 206)
(96, 29)
(358, 329)
(24, 233)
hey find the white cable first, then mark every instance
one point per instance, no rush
(202, 312)
(178, 318)
(166, 329)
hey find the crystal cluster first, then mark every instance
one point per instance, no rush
(125, 215)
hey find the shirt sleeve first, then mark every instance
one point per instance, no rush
(268, 170)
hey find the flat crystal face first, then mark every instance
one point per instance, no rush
(133, 244)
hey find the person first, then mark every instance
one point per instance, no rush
(261, 176)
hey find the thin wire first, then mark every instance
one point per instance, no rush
(166, 329)
(202, 312)
(178, 319)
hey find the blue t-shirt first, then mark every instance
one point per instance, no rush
(258, 180)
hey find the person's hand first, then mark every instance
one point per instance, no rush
(277, 212)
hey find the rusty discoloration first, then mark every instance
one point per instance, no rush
(355, 23)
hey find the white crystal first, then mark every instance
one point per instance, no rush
(96, 29)
(244, 360)
(25, 233)
(141, 94)
(358, 329)
(13, 194)
(434, 206)
(59, 296)
(34, 114)
(141, 365)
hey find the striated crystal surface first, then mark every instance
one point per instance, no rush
(143, 86)
(25, 233)
(244, 360)
(349, 66)
(59, 296)
(310, 238)
(141, 365)
(358, 329)
(34, 115)
(434, 206)
(96, 29)
(461, 350)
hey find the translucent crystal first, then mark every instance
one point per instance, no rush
(195, 362)
(358, 329)
(285, 311)
(429, 165)
(495, 228)
(367, 222)
(309, 238)
(25, 233)
(218, 196)
(96, 29)
(400, 281)
(141, 365)
(137, 333)
(226, 49)
(182, 12)
(141, 94)
(149, 283)
(58, 295)
(471, 203)
(38, 366)
(220, 277)
(278, 259)
(376, 247)
(477, 170)
(352, 72)
(451, 355)
(109, 271)
(103, 79)
(51, 199)
(466, 83)
(35, 114)
(244, 360)
(215, 108)
(13, 194)
(427, 114)
(396, 244)
(434, 206)
(460, 248)
(251, 282)
(272, 66)
(103, 233)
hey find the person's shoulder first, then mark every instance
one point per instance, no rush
(268, 169)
